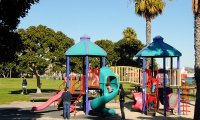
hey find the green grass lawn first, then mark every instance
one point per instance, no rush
(10, 88)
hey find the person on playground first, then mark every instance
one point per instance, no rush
(110, 89)
(66, 97)
(122, 101)
(24, 85)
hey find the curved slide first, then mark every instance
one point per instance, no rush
(98, 104)
(49, 102)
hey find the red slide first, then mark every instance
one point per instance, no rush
(49, 102)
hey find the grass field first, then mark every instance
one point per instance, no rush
(10, 88)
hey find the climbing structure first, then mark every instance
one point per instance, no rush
(159, 49)
(184, 98)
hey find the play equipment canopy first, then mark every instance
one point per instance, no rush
(158, 48)
(85, 48)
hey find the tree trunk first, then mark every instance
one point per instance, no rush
(35, 72)
(197, 62)
(4, 76)
(38, 84)
(10, 73)
(148, 39)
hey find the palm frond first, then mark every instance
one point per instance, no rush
(195, 6)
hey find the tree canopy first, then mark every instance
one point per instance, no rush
(108, 46)
(11, 11)
(149, 9)
(129, 34)
(127, 47)
(126, 50)
(43, 49)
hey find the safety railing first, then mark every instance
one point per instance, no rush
(128, 74)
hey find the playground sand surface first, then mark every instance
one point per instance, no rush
(22, 110)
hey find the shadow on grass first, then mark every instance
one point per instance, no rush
(33, 91)
(44, 96)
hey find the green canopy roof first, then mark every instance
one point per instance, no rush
(158, 48)
(85, 47)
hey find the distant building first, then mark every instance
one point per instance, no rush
(187, 72)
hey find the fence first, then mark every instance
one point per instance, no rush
(127, 74)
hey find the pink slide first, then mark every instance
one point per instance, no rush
(50, 101)
(138, 99)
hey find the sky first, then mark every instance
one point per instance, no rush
(106, 19)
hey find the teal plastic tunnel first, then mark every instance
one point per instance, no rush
(98, 104)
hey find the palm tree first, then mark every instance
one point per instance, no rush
(129, 34)
(149, 9)
(196, 11)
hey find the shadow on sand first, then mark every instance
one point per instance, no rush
(128, 105)
(18, 113)
(163, 118)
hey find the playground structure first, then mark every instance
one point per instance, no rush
(90, 79)
(154, 83)
(159, 49)
(133, 76)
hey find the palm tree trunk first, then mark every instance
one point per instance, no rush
(148, 38)
(148, 31)
(197, 62)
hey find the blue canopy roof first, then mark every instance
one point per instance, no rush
(85, 47)
(158, 48)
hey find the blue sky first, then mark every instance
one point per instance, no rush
(106, 19)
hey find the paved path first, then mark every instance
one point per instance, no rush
(22, 110)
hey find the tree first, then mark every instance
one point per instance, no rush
(129, 34)
(9, 44)
(149, 9)
(10, 14)
(127, 47)
(43, 47)
(6, 69)
(196, 12)
(108, 46)
(126, 50)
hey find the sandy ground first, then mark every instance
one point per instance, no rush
(21, 110)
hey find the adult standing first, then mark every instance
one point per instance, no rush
(66, 97)
(122, 100)
(24, 85)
